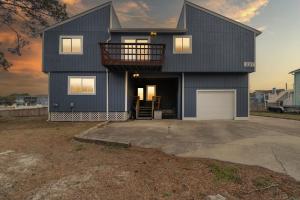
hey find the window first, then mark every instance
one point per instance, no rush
(141, 93)
(71, 45)
(140, 51)
(82, 85)
(182, 44)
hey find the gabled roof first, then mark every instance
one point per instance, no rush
(115, 25)
(222, 17)
(295, 71)
(109, 3)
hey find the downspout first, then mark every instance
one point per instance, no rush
(107, 81)
(107, 93)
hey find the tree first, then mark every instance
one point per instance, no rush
(25, 19)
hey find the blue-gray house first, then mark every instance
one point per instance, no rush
(99, 70)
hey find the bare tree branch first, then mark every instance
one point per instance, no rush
(25, 18)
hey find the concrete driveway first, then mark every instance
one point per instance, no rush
(267, 142)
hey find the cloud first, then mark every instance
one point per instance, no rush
(71, 2)
(135, 14)
(242, 11)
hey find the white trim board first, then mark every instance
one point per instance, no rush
(183, 36)
(182, 95)
(126, 91)
(82, 94)
(60, 50)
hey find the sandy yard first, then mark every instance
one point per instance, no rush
(40, 160)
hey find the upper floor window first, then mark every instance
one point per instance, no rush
(182, 44)
(81, 85)
(71, 45)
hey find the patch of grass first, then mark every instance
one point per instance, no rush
(112, 146)
(225, 173)
(166, 194)
(292, 116)
(79, 147)
(262, 182)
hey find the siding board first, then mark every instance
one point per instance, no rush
(94, 29)
(199, 81)
(88, 103)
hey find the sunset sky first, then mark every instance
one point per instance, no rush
(278, 48)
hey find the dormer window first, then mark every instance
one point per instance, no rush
(71, 45)
(182, 44)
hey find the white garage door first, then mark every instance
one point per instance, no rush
(215, 105)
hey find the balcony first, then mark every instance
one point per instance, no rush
(132, 56)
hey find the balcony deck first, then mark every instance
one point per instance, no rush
(132, 56)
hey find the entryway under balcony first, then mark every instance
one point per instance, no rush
(154, 96)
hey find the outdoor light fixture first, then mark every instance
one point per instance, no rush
(136, 75)
(153, 34)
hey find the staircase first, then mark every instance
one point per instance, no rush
(145, 109)
(145, 112)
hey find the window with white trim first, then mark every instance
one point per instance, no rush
(182, 44)
(82, 85)
(71, 45)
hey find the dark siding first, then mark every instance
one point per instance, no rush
(218, 45)
(193, 82)
(83, 103)
(116, 92)
(94, 28)
(181, 20)
(88, 103)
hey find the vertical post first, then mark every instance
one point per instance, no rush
(126, 91)
(49, 115)
(182, 93)
(107, 93)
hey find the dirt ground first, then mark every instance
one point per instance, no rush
(293, 116)
(40, 160)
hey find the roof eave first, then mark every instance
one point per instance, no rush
(77, 16)
(147, 30)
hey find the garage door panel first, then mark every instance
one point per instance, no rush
(215, 105)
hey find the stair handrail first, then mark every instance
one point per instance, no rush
(153, 104)
(137, 107)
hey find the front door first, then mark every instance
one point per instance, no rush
(150, 92)
(138, 51)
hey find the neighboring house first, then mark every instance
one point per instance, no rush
(296, 74)
(259, 96)
(40, 100)
(280, 97)
(99, 70)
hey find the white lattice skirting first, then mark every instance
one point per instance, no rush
(88, 116)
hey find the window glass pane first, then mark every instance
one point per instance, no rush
(75, 85)
(178, 44)
(76, 45)
(129, 49)
(186, 44)
(141, 93)
(142, 50)
(66, 45)
(151, 92)
(88, 85)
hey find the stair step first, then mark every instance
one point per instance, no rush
(144, 118)
(147, 115)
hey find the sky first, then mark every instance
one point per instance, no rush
(277, 49)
